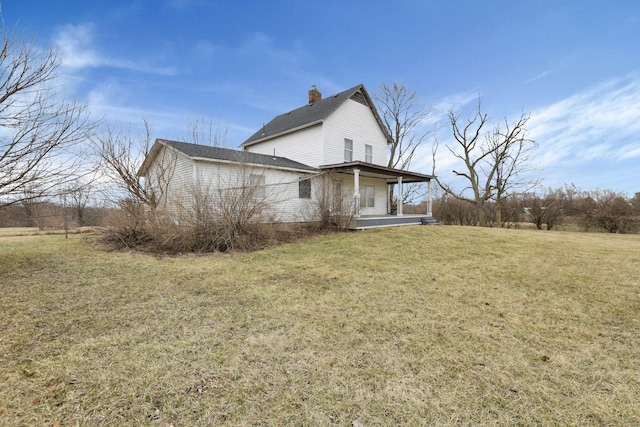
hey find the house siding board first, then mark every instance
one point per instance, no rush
(281, 188)
(175, 167)
(182, 187)
(303, 146)
(354, 121)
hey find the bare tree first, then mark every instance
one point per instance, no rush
(511, 156)
(122, 153)
(547, 209)
(76, 197)
(493, 160)
(205, 131)
(38, 129)
(403, 117)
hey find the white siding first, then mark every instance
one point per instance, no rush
(356, 122)
(281, 202)
(323, 144)
(304, 146)
(170, 175)
(380, 204)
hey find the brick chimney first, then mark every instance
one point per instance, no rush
(314, 95)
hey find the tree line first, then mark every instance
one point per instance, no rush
(568, 207)
(53, 154)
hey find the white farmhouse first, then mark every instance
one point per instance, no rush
(326, 159)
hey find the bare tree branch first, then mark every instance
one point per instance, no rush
(39, 132)
(403, 117)
(494, 160)
(205, 131)
(122, 153)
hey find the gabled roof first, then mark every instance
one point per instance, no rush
(205, 152)
(312, 114)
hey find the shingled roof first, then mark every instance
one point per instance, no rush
(205, 152)
(312, 114)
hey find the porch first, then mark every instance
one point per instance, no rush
(384, 216)
(374, 221)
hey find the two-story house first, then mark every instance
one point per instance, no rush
(326, 157)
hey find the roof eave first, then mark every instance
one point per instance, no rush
(275, 135)
(151, 156)
(378, 168)
(259, 165)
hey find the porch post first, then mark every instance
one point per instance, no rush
(400, 197)
(429, 199)
(356, 192)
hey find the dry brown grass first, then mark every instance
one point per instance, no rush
(405, 326)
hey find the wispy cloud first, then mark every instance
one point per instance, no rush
(575, 135)
(538, 77)
(600, 123)
(76, 45)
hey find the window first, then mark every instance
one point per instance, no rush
(348, 150)
(367, 196)
(304, 189)
(368, 153)
(256, 185)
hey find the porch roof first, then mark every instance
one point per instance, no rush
(377, 171)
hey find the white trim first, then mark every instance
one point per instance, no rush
(356, 192)
(429, 199)
(400, 198)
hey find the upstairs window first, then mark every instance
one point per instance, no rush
(304, 189)
(368, 153)
(348, 150)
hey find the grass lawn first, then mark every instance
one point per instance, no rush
(404, 326)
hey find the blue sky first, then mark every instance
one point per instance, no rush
(574, 65)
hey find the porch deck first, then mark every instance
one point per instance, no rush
(375, 221)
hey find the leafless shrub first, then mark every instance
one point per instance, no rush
(212, 219)
(449, 210)
(126, 225)
(609, 211)
(234, 217)
(331, 208)
(547, 209)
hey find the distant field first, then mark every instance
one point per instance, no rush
(32, 231)
(450, 326)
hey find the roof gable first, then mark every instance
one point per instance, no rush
(313, 113)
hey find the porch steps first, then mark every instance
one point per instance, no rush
(390, 221)
(429, 221)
